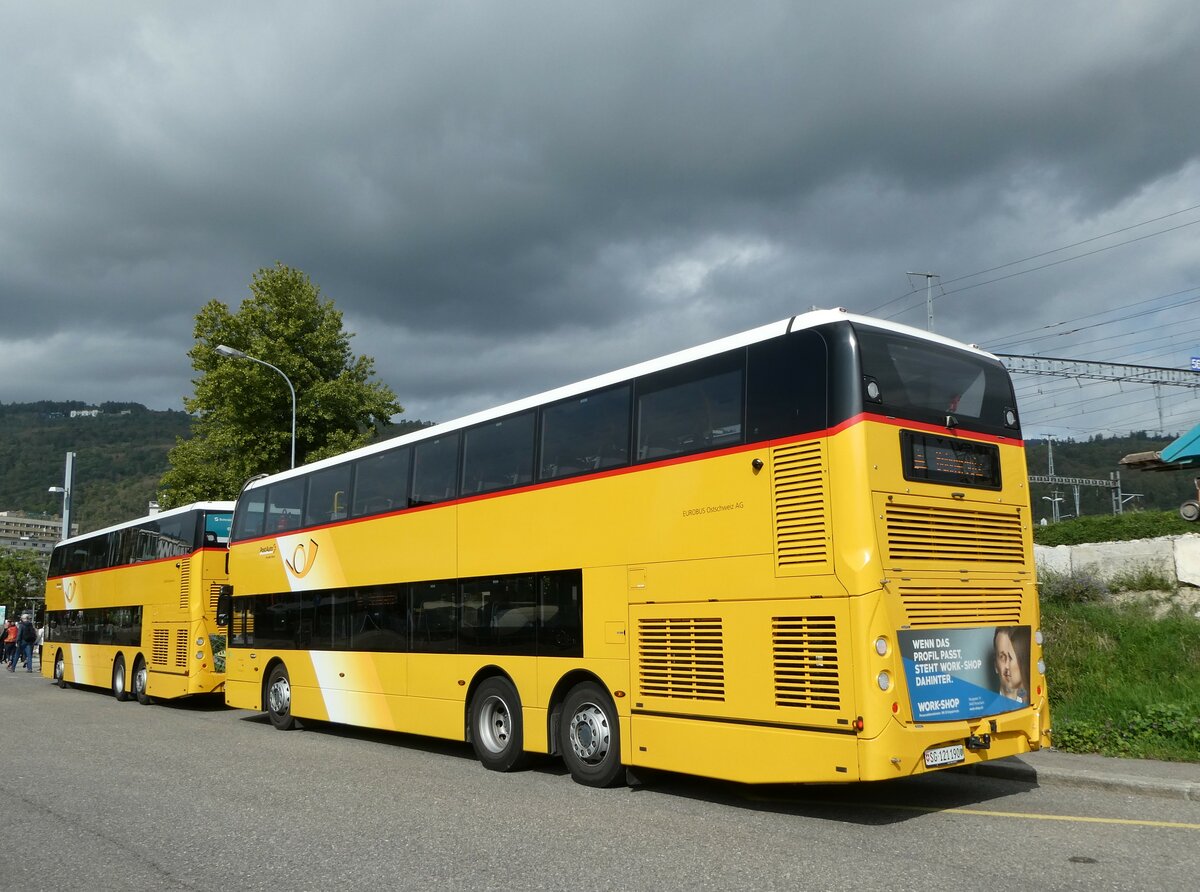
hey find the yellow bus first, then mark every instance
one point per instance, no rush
(133, 607)
(800, 553)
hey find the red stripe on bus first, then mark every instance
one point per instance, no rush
(860, 418)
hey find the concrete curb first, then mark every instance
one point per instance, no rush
(1014, 769)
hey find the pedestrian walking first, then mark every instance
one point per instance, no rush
(10, 639)
(26, 635)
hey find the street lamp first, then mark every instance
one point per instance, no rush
(225, 350)
(1053, 505)
(65, 489)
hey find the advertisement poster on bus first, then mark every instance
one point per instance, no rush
(966, 673)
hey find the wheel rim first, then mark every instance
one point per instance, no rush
(119, 679)
(279, 696)
(139, 680)
(494, 726)
(60, 669)
(591, 736)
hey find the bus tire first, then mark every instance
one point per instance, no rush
(496, 726)
(590, 736)
(60, 669)
(279, 699)
(141, 677)
(120, 691)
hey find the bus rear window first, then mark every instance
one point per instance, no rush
(916, 379)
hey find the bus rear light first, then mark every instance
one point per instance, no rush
(199, 655)
(1041, 666)
(884, 680)
(1039, 637)
(858, 723)
(881, 646)
(895, 708)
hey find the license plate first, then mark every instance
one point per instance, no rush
(944, 755)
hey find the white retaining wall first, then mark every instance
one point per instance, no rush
(1176, 558)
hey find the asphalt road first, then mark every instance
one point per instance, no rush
(106, 795)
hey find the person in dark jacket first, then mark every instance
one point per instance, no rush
(26, 635)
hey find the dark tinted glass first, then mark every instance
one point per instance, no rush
(98, 625)
(328, 495)
(435, 617)
(248, 517)
(498, 454)
(560, 602)
(925, 381)
(516, 614)
(381, 482)
(586, 433)
(283, 621)
(378, 618)
(691, 408)
(786, 386)
(499, 616)
(435, 470)
(284, 501)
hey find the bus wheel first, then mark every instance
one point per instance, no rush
(590, 736)
(497, 733)
(140, 678)
(1190, 510)
(119, 690)
(279, 699)
(60, 670)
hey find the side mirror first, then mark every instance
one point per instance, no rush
(224, 604)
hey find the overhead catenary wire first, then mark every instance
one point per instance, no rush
(983, 272)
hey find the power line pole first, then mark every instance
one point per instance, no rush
(929, 277)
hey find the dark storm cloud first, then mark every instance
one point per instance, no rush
(506, 197)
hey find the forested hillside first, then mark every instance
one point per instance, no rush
(119, 457)
(1097, 458)
(122, 453)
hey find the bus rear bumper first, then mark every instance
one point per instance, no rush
(904, 750)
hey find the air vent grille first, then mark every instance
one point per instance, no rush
(801, 510)
(954, 536)
(681, 659)
(806, 662)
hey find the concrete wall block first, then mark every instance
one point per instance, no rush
(1109, 559)
(1187, 559)
(1055, 558)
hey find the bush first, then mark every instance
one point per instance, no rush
(1081, 587)
(1140, 579)
(1156, 730)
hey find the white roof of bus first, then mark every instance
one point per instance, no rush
(752, 336)
(170, 512)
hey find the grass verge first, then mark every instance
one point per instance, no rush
(1123, 683)
(1114, 528)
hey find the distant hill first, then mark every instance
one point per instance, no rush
(120, 455)
(121, 452)
(1097, 458)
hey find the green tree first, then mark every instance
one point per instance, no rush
(242, 411)
(22, 579)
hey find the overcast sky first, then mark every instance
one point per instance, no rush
(504, 197)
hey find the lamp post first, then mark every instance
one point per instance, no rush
(226, 350)
(65, 489)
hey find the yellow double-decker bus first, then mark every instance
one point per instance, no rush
(800, 553)
(133, 607)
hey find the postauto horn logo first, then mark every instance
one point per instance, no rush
(303, 559)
